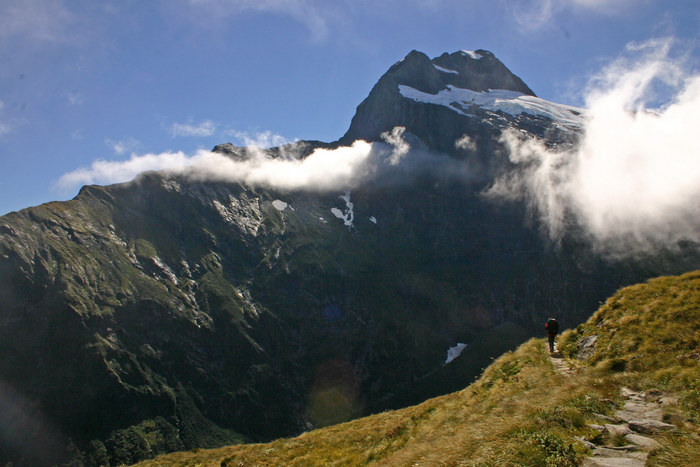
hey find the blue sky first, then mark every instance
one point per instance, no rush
(82, 81)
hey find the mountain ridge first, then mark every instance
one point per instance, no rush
(176, 312)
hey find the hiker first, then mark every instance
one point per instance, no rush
(552, 328)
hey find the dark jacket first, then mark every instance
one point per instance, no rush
(552, 326)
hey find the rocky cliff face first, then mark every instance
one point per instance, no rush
(168, 314)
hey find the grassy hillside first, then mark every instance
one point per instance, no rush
(521, 411)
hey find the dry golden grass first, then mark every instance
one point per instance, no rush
(493, 422)
(521, 412)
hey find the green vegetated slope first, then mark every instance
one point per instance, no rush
(521, 411)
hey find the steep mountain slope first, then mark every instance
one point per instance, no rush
(175, 312)
(523, 412)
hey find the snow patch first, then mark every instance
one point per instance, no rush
(510, 102)
(454, 352)
(472, 54)
(373, 219)
(280, 205)
(348, 215)
(445, 70)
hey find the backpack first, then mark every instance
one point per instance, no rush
(552, 326)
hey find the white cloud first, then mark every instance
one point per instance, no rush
(37, 20)
(104, 172)
(634, 181)
(203, 129)
(401, 147)
(122, 146)
(314, 15)
(607, 6)
(322, 18)
(262, 139)
(466, 143)
(535, 14)
(323, 169)
(342, 168)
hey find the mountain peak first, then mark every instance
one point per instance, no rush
(385, 107)
(477, 70)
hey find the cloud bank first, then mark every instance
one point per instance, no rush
(339, 168)
(105, 172)
(342, 168)
(323, 169)
(633, 182)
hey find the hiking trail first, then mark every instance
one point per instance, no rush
(641, 416)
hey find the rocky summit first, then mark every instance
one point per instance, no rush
(177, 312)
(467, 93)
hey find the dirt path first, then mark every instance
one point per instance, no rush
(558, 361)
(626, 434)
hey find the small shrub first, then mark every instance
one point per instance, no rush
(680, 448)
(568, 341)
(564, 417)
(690, 405)
(545, 449)
(590, 404)
(503, 371)
(395, 431)
(612, 365)
(618, 440)
(596, 437)
(144, 249)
